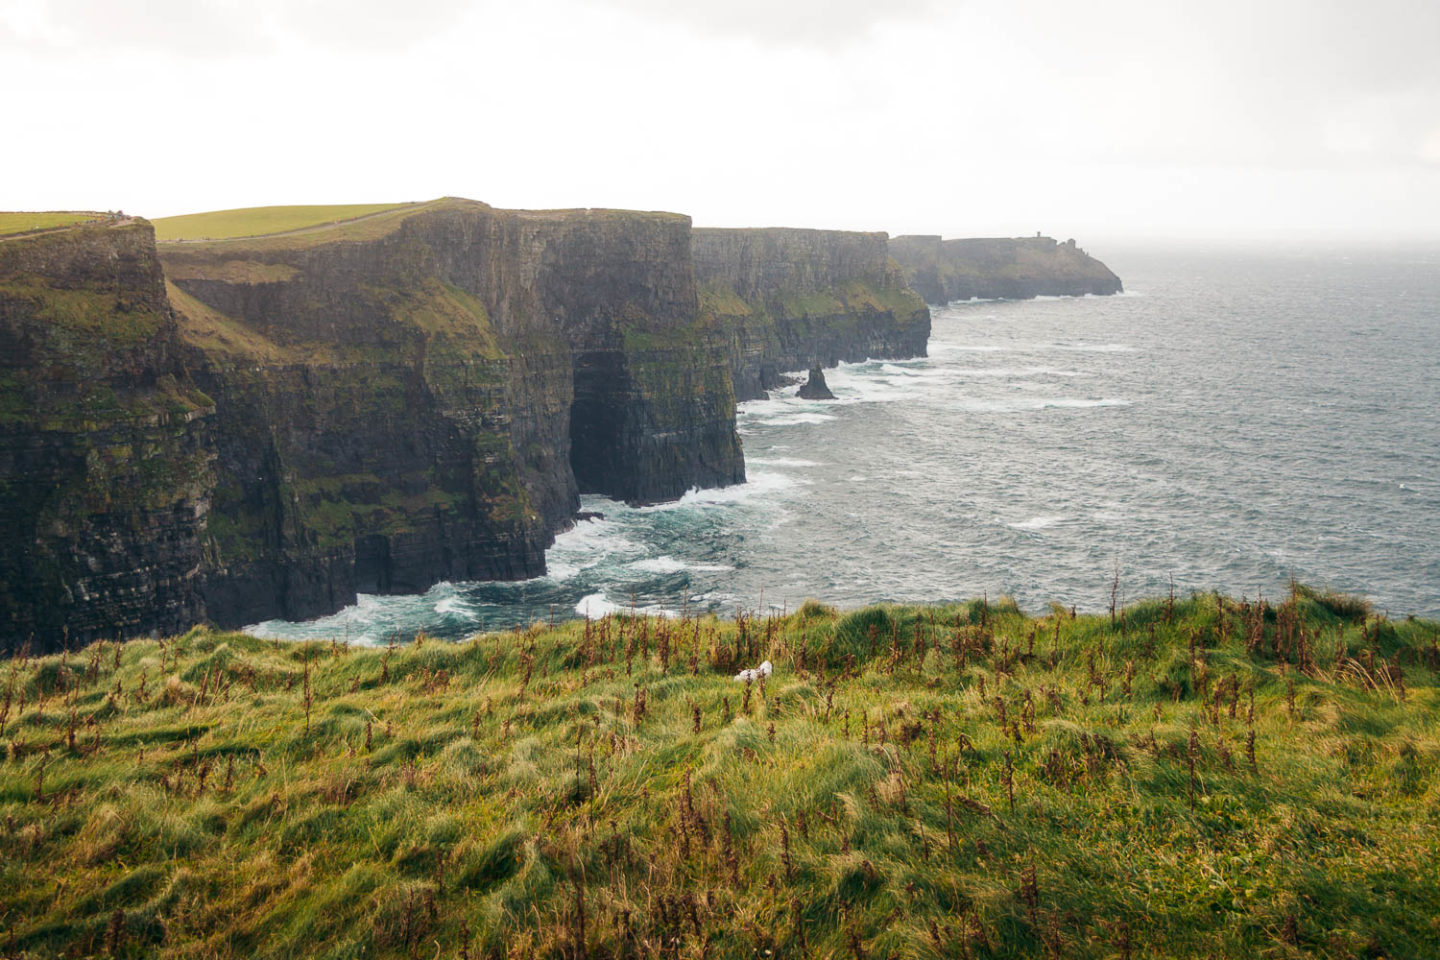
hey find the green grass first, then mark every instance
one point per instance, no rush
(956, 781)
(25, 222)
(261, 221)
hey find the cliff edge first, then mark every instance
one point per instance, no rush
(105, 460)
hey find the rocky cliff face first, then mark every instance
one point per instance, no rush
(105, 464)
(654, 411)
(1012, 269)
(405, 402)
(273, 425)
(786, 299)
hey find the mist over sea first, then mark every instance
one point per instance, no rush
(1236, 419)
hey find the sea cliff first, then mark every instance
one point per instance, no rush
(260, 427)
(786, 299)
(403, 402)
(105, 458)
(1011, 269)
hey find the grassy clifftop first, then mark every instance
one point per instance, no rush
(1194, 778)
(263, 221)
(13, 223)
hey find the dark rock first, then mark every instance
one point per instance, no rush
(785, 298)
(1009, 269)
(815, 388)
(105, 455)
(428, 403)
(277, 424)
(584, 515)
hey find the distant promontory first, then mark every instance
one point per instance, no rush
(992, 269)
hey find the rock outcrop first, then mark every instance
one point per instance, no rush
(238, 430)
(815, 388)
(1011, 269)
(422, 397)
(784, 299)
(105, 459)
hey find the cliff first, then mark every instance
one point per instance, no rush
(786, 299)
(105, 464)
(275, 424)
(422, 395)
(1011, 269)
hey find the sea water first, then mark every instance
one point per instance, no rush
(1238, 418)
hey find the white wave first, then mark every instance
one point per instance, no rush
(1033, 404)
(1085, 404)
(780, 462)
(659, 565)
(1089, 347)
(560, 570)
(898, 371)
(458, 607)
(588, 543)
(363, 622)
(795, 419)
(1035, 523)
(759, 484)
(969, 372)
(778, 404)
(668, 564)
(597, 605)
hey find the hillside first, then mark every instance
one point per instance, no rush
(1201, 777)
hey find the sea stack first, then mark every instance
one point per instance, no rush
(815, 388)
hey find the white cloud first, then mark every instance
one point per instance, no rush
(819, 23)
(1430, 147)
(982, 116)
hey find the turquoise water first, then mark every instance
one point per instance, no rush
(1240, 418)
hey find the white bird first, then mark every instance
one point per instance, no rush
(748, 676)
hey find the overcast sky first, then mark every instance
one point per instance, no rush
(1098, 119)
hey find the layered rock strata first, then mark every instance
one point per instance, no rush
(237, 430)
(1010, 269)
(785, 299)
(105, 455)
(402, 403)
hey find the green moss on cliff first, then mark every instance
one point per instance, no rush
(221, 338)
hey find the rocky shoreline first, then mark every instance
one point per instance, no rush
(265, 427)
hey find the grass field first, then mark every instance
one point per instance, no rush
(1186, 778)
(260, 221)
(23, 222)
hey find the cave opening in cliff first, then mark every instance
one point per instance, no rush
(597, 425)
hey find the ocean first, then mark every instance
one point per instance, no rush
(1236, 419)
